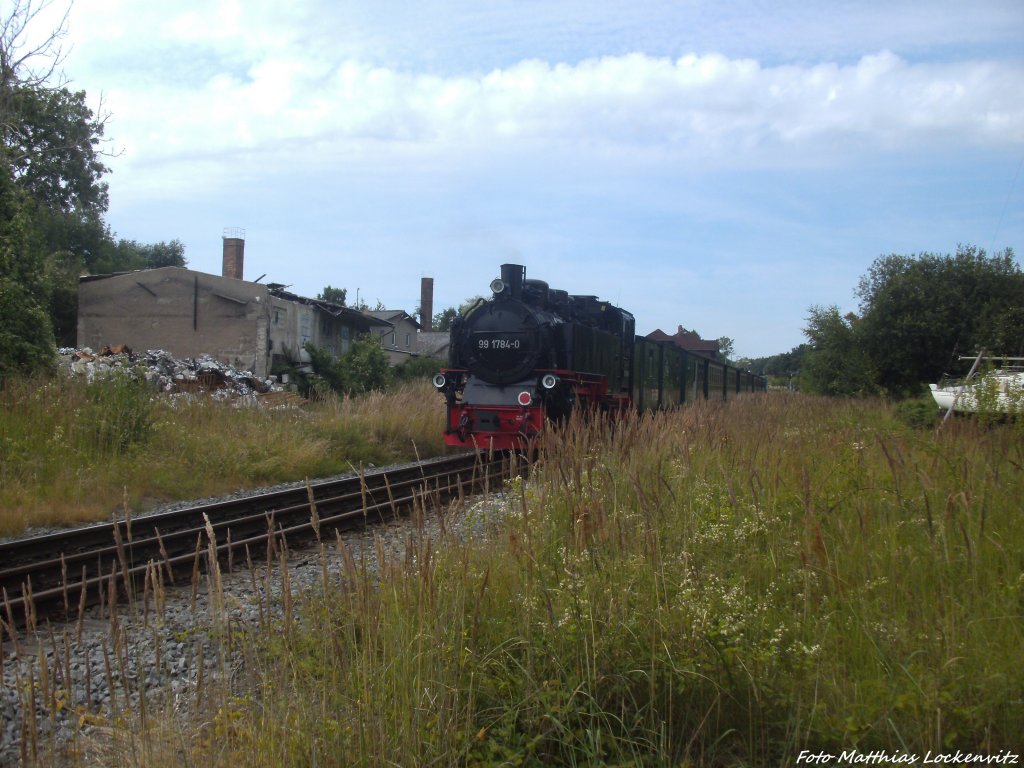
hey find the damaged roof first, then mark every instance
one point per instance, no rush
(351, 316)
(392, 315)
(363, 322)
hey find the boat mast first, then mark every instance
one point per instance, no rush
(977, 362)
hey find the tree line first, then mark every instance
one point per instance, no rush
(917, 315)
(52, 198)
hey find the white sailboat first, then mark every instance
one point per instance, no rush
(1000, 390)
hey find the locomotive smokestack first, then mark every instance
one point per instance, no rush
(513, 276)
(234, 252)
(426, 304)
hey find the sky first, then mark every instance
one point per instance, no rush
(721, 165)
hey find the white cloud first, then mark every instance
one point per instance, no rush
(702, 140)
(709, 108)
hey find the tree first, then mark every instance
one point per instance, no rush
(442, 321)
(333, 295)
(25, 63)
(50, 141)
(362, 306)
(51, 195)
(919, 313)
(726, 349)
(128, 255)
(162, 254)
(26, 338)
(366, 366)
(363, 368)
(52, 146)
(836, 363)
(26, 335)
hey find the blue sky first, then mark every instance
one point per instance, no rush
(717, 165)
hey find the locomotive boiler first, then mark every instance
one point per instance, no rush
(531, 353)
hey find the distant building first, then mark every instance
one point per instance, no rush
(298, 320)
(404, 339)
(245, 324)
(434, 344)
(398, 339)
(688, 340)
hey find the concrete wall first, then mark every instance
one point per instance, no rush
(190, 313)
(293, 325)
(184, 312)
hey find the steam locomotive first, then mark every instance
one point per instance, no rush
(532, 353)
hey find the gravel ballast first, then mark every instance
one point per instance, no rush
(96, 667)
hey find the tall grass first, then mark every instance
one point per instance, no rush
(72, 452)
(722, 585)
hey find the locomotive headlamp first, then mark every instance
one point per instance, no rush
(439, 380)
(525, 398)
(497, 285)
(550, 381)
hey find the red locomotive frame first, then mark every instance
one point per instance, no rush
(509, 427)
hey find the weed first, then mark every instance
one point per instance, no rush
(727, 584)
(70, 451)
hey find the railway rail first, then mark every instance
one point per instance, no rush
(60, 574)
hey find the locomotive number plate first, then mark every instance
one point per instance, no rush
(505, 341)
(498, 343)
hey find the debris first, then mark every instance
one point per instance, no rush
(171, 375)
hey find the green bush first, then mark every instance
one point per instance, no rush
(418, 368)
(119, 413)
(26, 335)
(919, 414)
(364, 368)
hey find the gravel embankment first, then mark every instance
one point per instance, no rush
(170, 653)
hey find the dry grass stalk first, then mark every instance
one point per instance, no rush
(215, 584)
(166, 558)
(286, 592)
(82, 596)
(195, 571)
(122, 557)
(30, 604)
(146, 580)
(109, 672)
(314, 516)
(64, 585)
(255, 591)
(10, 621)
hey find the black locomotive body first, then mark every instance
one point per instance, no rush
(531, 353)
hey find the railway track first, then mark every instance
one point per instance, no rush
(59, 574)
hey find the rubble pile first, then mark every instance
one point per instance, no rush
(167, 373)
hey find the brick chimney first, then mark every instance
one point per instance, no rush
(234, 252)
(426, 303)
